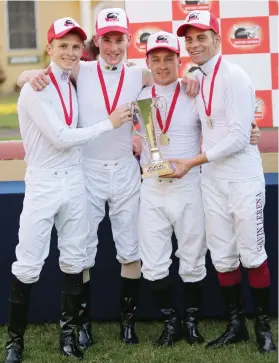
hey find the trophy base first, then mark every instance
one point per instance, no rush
(159, 168)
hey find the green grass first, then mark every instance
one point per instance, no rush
(41, 346)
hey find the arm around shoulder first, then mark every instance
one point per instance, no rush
(25, 77)
(40, 110)
(147, 79)
(38, 78)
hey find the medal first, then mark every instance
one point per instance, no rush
(208, 109)
(164, 139)
(104, 89)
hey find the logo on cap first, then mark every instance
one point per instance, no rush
(69, 22)
(193, 16)
(112, 16)
(162, 39)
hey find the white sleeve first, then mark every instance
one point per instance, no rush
(239, 108)
(42, 113)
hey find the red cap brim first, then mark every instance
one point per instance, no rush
(109, 29)
(182, 29)
(74, 28)
(163, 47)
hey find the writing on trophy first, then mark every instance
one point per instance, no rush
(147, 111)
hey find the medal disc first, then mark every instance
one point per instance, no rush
(164, 139)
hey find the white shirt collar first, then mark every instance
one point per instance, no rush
(109, 68)
(59, 73)
(165, 89)
(208, 67)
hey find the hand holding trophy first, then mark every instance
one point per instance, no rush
(146, 110)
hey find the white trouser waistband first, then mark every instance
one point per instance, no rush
(88, 162)
(55, 172)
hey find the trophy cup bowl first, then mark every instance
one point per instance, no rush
(146, 108)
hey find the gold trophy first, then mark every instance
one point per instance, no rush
(146, 109)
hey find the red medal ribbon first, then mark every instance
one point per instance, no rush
(216, 68)
(104, 89)
(68, 118)
(172, 106)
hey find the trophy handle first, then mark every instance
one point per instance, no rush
(135, 111)
(146, 109)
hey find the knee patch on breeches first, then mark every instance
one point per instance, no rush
(131, 270)
(72, 283)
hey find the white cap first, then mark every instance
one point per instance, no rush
(63, 26)
(112, 19)
(163, 40)
(203, 20)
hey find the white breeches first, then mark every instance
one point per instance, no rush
(234, 222)
(52, 197)
(117, 182)
(167, 206)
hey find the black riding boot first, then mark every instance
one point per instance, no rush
(172, 332)
(128, 305)
(70, 303)
(262, 328)
(192, 300)
(236, 331)
(18, 310)
(85, 339)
